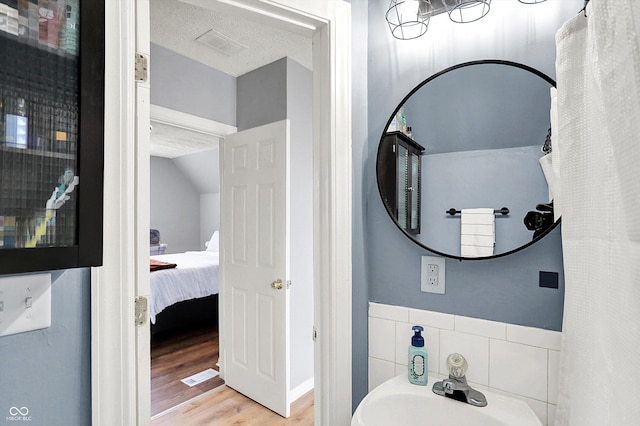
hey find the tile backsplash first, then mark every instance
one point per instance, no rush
(518, 361)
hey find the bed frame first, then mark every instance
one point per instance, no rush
(187, 313)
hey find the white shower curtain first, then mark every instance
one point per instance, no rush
(598, 73)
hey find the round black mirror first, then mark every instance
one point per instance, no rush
(469, 140)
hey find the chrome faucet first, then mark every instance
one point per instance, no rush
(456, 386)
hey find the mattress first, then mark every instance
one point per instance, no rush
(196, 275)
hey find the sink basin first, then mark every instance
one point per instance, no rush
(398, 402)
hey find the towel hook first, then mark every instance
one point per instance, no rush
(584, 9)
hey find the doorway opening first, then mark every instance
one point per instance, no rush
(120, 378)
(203, 340)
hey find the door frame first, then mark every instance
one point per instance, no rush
(118, 384)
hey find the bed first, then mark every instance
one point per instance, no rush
(187, 292)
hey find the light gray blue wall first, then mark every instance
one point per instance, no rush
(262, 95)
(503, 289)
(175, 207)
(361, 176)
(510, 177)
(202, 169)
(49, 370)
(185, 85)
(480, 106)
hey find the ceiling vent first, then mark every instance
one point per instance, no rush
(221, 43)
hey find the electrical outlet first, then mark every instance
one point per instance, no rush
(432, 275)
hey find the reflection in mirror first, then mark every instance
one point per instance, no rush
(400, 180)
(480, 128)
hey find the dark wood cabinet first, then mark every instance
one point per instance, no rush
(51, 135)
(399, 174)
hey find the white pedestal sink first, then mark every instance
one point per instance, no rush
(398, 402)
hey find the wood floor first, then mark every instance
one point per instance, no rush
(226, 407)
(175, 356)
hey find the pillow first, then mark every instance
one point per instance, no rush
(212, 245)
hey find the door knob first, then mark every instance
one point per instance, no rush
(277, 284)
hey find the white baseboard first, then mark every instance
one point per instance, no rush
(301, 389)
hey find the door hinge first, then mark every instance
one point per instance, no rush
(141, 310)
(315, 333)
(142, 66)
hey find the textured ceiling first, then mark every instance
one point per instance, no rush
(170, 141)
(176, 25)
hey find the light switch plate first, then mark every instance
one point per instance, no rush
(26, 303)
(432, 275)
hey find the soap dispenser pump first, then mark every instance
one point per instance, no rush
(418, 358)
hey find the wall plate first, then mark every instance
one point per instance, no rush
(432, 275)
(25, 303)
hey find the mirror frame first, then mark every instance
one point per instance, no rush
(395, 111)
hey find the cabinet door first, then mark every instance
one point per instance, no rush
(403, 179)
(399, 171)
(414, 193)
(386, 173)
(51, 134)
(409, 179)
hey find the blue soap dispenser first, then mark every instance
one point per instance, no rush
(418, 358)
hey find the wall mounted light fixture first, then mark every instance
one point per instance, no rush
(464, 11)
(408, 19)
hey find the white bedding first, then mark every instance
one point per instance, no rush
(197, 275)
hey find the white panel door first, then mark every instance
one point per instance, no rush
(254, 263)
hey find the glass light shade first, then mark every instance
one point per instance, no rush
(469, 10)
(408, 19)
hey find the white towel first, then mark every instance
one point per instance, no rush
(546, 162)
(550, 163)
(477, 232)
(556, 160)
